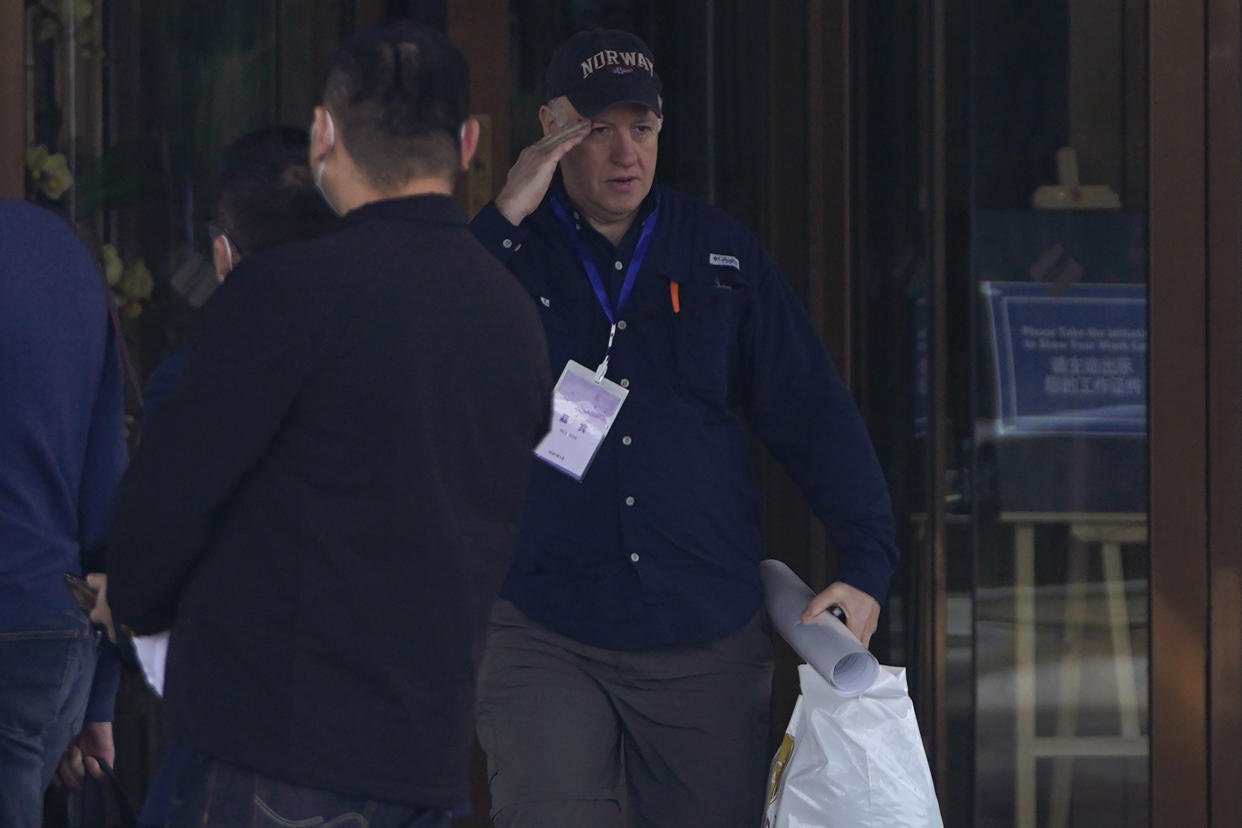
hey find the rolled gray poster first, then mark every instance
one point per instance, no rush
(825, 643)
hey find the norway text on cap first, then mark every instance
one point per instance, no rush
(611, 57)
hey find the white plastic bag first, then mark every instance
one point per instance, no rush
(852, 762)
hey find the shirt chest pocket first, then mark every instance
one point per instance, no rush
(706, 331)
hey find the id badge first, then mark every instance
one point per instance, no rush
(582, 412)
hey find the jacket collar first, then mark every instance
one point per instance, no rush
(440, 209)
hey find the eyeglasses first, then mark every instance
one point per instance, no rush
(215, 231)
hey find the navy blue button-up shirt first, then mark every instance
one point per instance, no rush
(660, 541)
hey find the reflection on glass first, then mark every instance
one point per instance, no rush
(1044, 419)
(129, 105)
(1058, 462)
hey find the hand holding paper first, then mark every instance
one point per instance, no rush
(824, 642)
(861, 611)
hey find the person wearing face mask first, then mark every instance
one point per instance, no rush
(628, 669)
(265, 196)
(324, 508)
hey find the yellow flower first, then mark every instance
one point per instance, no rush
(111, 264)
(131, 284)
(35, 158)
(136, 282)
(54, 176)
(50, 172)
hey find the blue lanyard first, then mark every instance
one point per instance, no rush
(592, 272)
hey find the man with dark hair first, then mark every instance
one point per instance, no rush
(391, 144)
(265, 196)
(628, 670)
(329, 544)
(62, 441)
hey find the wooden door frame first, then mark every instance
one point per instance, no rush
(13, 98)
(1195, 403)
(1177, 426)
(1224, 399)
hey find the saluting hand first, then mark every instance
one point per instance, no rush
(862, 612)
(529, 178)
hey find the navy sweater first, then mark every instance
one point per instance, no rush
(62, 447)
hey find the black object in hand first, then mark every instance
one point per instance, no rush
(83, 593)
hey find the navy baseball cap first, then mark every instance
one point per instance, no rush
(601, 67)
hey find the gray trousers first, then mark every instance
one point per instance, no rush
(583, 737)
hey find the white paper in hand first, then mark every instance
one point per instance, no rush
(152, 653)
(824, 643)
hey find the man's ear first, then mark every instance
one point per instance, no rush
(547, 119)
(223, 256)
(322, 135)
(469, 141)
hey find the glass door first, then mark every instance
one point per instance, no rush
(1056, 464)
(1004, 257)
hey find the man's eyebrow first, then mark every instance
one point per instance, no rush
(646, 119)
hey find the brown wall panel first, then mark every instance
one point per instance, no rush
(481, 30)
(1224, 193)
(1177, 416)
(829, 168)
(12, 98)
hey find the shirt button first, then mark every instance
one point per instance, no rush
(624, 383)
(507, 243)
(621, 325)
(617, 265)
(634, 557)
(625, 441)
(629, 501)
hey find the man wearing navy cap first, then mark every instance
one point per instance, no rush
(627, 673)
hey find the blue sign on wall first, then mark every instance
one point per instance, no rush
(1068, 360)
